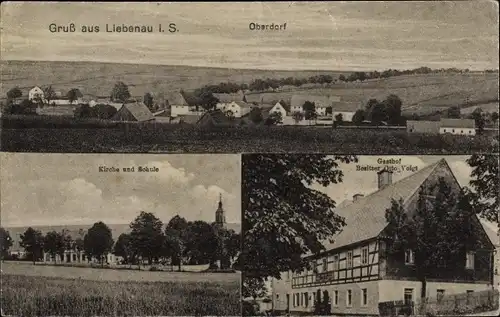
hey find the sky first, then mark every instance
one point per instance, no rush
(67, 189)
(365, 182)
(318, 35)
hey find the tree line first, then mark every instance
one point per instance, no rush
(149, 240)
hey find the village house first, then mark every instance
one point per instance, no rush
(36, 93)
(234, 105)
(321, 103)
(178, 104)
(357, 271)
(136, 111)
(346, 109)
(423, 126)
(214, 118)
(280, 107)
(458, 126)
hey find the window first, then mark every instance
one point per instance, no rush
(444, 130)
(348, 299)
(409, 257)
(325, 264)
(335, 262)
(288, 275)
(364, 297)
(408, 296)
(349, 259)
(440, 295)
(306, 299)
(277, 296)
(364, 255)
(335, 298)
(469, 260)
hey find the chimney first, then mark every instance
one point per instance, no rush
(357, 196)
(384, 178)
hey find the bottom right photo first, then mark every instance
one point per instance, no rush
(370, 235)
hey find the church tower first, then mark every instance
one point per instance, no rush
(220, 216)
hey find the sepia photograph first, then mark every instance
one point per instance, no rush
(114, 235)
(417, 77)
(370, 235)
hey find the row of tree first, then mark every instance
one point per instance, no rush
(149, 240)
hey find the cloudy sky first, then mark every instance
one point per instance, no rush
(321, 35)
(365, 182)
(67, 189)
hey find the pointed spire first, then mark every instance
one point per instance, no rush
(220, 200)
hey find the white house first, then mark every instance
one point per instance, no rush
(278, 107)
(321, 103)
(178, 104)
(458, 126)
(236, 103)
(36, 93)
(346, 109)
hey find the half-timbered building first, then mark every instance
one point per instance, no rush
(357, 271)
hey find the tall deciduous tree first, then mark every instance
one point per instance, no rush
(175, 239)
(14, 93)
(208, 101)
(73, 95)
(98, 241)
(298, 116)
(359, 117)
(439, 231)
(147, 237)
(5, 243)
(53, 243)
(123, 248)
(32, 242)
(274, 118)
(256, 115)
(120, 92)
(283, 216)
(485, 183)
(148, 100)
(49, 94)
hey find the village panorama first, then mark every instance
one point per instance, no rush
(317, 113)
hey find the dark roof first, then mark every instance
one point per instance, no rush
(176, 98)
(139, 111)
(217, 117)
(365, 218)
(458, 123)
(190, 119)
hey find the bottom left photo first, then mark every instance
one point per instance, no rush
(120, 235)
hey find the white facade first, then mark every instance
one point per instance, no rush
(346, 115)
(36, 93)
(457, 131)
(278, 108)
(296, 109)
(179, 110)
(77, 257)
(233, 106)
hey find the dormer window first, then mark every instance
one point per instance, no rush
(409, 257)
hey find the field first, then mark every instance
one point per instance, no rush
(420, 93)
(67, 291)
(111, 137)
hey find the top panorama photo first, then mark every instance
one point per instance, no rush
(346, 78)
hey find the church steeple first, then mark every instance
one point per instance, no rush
(220, 216)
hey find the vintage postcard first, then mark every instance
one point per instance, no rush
(370, 235)
(113, 235)
(348, 77)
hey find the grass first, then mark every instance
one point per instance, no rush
(73, 292)
(100, 137)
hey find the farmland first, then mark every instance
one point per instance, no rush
(108, 137)
(423, 93)
(44, 290)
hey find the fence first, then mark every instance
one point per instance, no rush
(460, 304)
(456, 304)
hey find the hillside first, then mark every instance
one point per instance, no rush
(420, 93)
(79, 230)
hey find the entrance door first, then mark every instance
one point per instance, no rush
(287, 302)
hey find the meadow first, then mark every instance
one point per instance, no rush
(67, 291)
(113, 137)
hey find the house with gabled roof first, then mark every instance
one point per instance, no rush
(214, 118)
(321, 103)
(357, 271)
(280, 107)
(177, 103)
(234, 104)
(136, 111)
(457, 126)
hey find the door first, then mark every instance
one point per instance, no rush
(287, 302)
